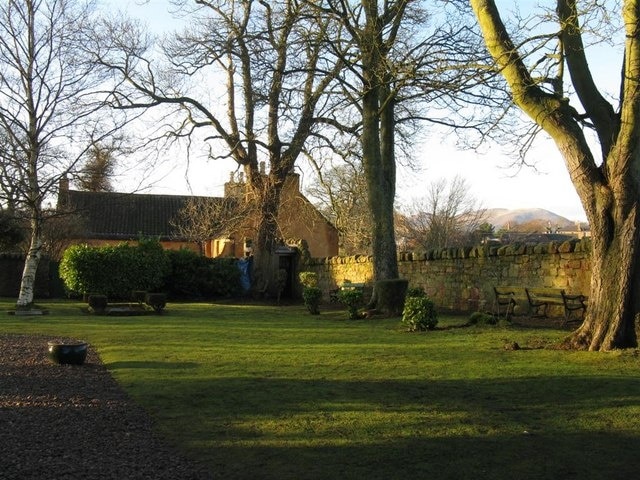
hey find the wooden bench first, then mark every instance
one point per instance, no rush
(505, 299)
(540, 298)
(538, 301)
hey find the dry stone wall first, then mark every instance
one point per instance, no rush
(462, 279)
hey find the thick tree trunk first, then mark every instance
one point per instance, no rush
(265, 193)
(613, 314)
(378, 128)
(610, 191)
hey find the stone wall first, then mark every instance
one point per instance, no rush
(462, 279)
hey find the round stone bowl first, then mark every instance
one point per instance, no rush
(68, 353)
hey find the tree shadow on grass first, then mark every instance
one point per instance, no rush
(531, 428)
(152, 365)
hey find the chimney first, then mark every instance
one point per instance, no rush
(64, 184)
(63, 192)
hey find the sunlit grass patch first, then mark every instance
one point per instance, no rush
(273, 392)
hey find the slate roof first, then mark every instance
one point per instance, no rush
(126, 216)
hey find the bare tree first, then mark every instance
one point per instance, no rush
(341, 193)
(449, 216)
(400, 61)
(605, 169)
(276, 70)
(48, 107)
(205, 218)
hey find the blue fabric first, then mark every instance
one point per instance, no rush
(244, 264)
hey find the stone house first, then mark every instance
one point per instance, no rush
(106, 218)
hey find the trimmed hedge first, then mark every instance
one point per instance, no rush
(117, 271)
(114, 271)
(192, 276)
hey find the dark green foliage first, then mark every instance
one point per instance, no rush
(308, 279)
(138, 296)
(152, 264)
(224, 277)
(157, 301)
(419, 314)
(311, 297)
(114, 271)
(12, 234)
(416, 292)
(98, 303)
(192, 276)
(311, 294)
(353, 298)
(390, 295)
(479, 318)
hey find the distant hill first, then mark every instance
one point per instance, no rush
(503, 217)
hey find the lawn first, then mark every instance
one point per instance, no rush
(275, 393)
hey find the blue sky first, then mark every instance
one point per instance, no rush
(492, 182)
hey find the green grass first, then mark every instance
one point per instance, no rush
(275, 393)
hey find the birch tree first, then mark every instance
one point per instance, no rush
(605, 170)
(48, 106)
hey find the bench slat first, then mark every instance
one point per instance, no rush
(538, 300)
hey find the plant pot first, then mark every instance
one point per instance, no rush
(68, 353)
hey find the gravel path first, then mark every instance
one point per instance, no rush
(70, 422)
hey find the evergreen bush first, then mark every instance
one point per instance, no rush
(311, 294)
(114, 271)
(192, 276)
(311, 297)
(419, 314)
(353, 299)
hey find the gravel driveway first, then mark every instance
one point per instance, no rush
(75, 422)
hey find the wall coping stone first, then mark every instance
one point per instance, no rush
(552, 247)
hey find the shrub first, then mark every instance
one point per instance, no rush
(311, 294)
(311, 297)
(419, 314)
(479, 318)
(308, 279)
(114, 271)
(353, 299)
(192, 276)
(416, 292)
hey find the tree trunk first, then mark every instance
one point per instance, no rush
(27, 284)
(265, 192)
(612, 316)
(378, 127)
(610, 192)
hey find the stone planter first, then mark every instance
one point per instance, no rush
(68, 353)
